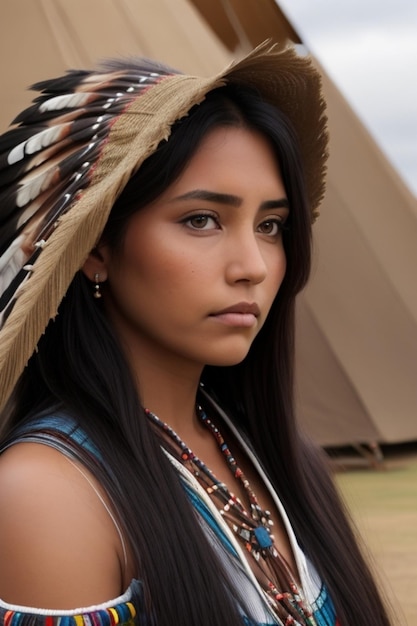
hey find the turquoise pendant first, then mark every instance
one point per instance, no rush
(262, 537)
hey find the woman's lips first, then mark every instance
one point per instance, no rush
(243, 315)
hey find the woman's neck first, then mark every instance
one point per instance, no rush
(169, 389)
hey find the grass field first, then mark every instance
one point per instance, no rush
(383, 504)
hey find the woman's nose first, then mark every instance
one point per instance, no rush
(245, 261)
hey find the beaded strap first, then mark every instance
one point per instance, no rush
(121, 615)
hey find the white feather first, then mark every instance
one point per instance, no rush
(17, 154)
(43, 139)
(11, 262)
(33, 186)
(34, 144)
(71, 100)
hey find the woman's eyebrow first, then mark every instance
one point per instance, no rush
(280, 203)
(228, 199)
(210, 196)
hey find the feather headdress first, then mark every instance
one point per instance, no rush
(72, 152)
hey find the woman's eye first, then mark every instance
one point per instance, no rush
(201, 222)
(271, 227)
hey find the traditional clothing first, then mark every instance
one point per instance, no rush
(62, 433)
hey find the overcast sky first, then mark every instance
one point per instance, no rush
(369, 49)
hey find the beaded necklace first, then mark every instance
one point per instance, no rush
(252, 527)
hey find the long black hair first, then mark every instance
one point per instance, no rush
(80, 366)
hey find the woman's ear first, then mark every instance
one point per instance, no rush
(95, 267)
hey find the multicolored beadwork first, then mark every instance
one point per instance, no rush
(260, 532)
(119, 615)
(252, 527)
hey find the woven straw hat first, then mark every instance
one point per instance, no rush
(73, 151)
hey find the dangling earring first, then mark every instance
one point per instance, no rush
(97, 292)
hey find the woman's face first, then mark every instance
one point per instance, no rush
(200, 267)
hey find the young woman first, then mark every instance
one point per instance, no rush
(155, 233)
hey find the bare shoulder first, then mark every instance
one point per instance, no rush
(59, 548)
